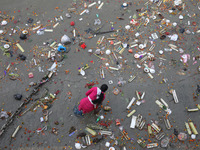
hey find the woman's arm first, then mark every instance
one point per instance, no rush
(80, 108)
(89, 91)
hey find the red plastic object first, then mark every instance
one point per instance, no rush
(83, 46)
(30, 75)
(167, 33)
(194, 23)
(130, 51)
(57, 92)
(117, 122)
(72, 23)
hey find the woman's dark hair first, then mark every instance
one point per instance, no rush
(103, 88)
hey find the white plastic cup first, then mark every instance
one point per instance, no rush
(77, 145)
(127, 27)
(193, 136)
(107, 144)
(108, 52)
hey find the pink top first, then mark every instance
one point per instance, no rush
(86, 104)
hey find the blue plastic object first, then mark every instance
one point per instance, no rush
(62, 49)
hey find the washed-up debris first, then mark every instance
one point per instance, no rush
(72, 129)
(30, 20)
(18, 96)
(53, 67)
(152, 145)
(55, 131)
(162, 104)
(77, 145)
(97, 140)
(4, 114)
(141, 142)
(173, 92)
(165, 142)
(30, 75)
(140, 122)
(40, 32)
(197, 92)
(91, 131)
(193, 128)
(61, 48)
(22, 57)
(6, 50)
(160, 136)
(13, 76)
(65, 40)
(102, 132)
(95, 127)
(23, 35)
(133, 122)
(27, 100)
(130, 103)
(131, 113)
(182, 136)
(4, 22)
(107, 108)
(167, 122)
(82, 69)
(118, 122)
(19, 46)
(16, 130)
(107, 144)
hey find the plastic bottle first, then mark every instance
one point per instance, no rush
(40, 32)
(121, 83)
(165, 142)
(151, 145)
(149, 129)
(97, 22)
(100, 117)
(141, 143)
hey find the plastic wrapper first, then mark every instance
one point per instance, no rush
(165, 142)
(65, 40)
(4, 115)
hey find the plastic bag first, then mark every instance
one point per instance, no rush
(65, 40)
(97, 22)
(4, 115)
(53, 67)
(165, 142)
(174, 37)
(18, 96)
(40, 32)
